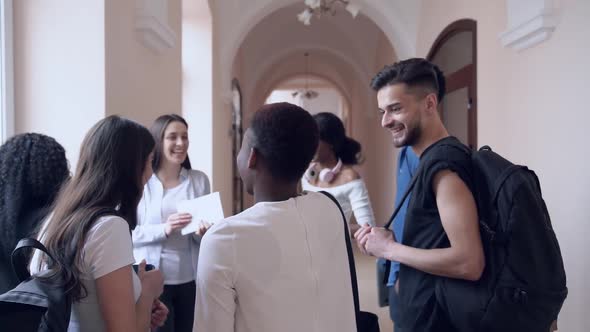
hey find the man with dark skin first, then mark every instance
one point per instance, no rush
(282, 264)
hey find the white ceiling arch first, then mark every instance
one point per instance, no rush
(297, 82)
(276, 82)
(357, 39)
(398, 19)
(326, 63)
(345, 74)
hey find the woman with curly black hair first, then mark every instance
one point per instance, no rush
(32, 169)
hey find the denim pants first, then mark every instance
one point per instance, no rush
(394, 309)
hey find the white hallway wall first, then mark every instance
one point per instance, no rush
(532, 110)
(141, 84)
(197, 90)
(76, 62)
(59, 69)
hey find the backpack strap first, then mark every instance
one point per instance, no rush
(419, 171)
(19, 262)
(503, 177)
(404, 197)
(351, 265)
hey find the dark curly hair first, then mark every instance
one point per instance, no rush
(415, 72)
(332, 132)
(287, 137)
(33, 168)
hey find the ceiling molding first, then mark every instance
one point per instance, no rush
(530, 23)
(151, 25)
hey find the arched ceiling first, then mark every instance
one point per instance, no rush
(353, 38)
(325, 64)
(237, 20)
(342, 49)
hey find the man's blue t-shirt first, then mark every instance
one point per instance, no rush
(406, 167)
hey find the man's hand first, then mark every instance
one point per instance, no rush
(361, 237)
(203, 227)
(375, 241)
(159, 314)
(354, 227)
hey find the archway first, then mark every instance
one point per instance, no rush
(313, 93)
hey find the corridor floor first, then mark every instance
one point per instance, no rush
(365, 269)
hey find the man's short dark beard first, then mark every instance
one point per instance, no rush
(414, 134)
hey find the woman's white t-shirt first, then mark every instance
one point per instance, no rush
(108, 248)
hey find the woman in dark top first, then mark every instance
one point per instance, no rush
(32, 169)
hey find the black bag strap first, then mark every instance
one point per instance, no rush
(351, 265)
(419, 171)
(20, 267)
(19, 262)
(503, 177)
(401, 203)
(405, 196)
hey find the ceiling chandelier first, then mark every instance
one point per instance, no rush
(324, 7)
(306, 93)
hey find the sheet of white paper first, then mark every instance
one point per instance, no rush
(207, 208)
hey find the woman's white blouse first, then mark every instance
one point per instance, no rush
(353, 198)
(149, 236)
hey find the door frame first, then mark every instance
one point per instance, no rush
(464, 77)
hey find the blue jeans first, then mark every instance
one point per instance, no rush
(394, 309)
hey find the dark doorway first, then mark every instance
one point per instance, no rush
(455, 52)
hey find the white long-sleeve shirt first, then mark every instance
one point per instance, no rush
(149, 236)
(353, 197)
(278, 266)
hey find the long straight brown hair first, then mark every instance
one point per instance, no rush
(112, 160)
(158, 129)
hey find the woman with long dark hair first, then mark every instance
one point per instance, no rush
(332, 170)
(32, 169)
(92, 247)
(157, 237)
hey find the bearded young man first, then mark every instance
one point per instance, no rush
(441, 236)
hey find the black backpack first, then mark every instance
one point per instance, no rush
(36, 304)
(523, 285)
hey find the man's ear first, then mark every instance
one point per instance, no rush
(252, 158)
(432, 103)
